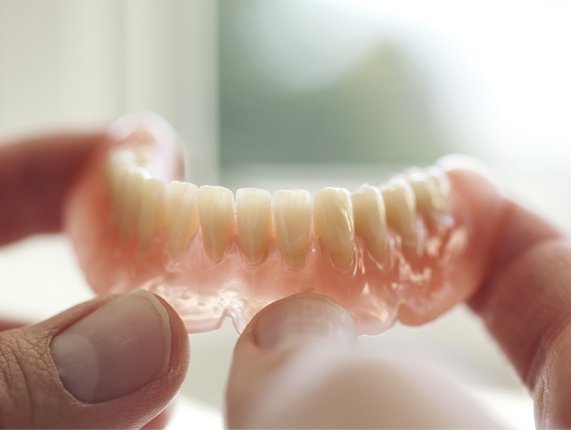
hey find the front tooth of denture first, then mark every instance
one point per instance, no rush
(182, 216)
(216, 213)
(333, 223)
(130, 197)
(400, 206)
(151, 210)
(254, 222)
(370, 220)
(292, 223)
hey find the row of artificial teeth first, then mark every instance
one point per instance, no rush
(336, 216)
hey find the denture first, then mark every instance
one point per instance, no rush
(406, 250)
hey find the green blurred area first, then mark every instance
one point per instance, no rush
(379, 111)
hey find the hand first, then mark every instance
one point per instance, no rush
(292, 366)
(111, 362)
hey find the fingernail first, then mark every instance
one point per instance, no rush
(303, 318)
(115, 350)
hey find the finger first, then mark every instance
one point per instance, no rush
(161, 420)
(526, 305)
(269, 350)
(111, 362)
(35, 175)
(296, 366)
(525, 302)
(10, 324)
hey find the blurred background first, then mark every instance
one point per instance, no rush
(281, 93)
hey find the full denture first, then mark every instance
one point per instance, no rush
(378, 251)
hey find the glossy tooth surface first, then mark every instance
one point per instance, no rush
(130, 198)
(429, 188)
(182, 216)
(400, 206)
(151, 210)
(439, 181)
(216, 213)
(114, 171)
(117, 178)
(424, 191)
(254, 223)
(333, 223)
(292, 223)
(119, 165)
(370, 220)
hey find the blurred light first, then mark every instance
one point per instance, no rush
(309, 44)
(518, 52)
(498, 71)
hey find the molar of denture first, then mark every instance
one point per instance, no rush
(216, 213)
(439, 181)
(182, 216)
(151, 210)
(117, 169)
(292, 223)
(130, 198)
(333, 224)
(116, 180)
(425, 193)
(113, 170)
(400, 206)
(370, 220)
(254, 223)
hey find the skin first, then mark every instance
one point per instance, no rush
(281, 376)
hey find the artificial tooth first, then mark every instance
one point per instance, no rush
(117, 180)
(118, 165)
(424, 191)
(439, 181)
(333, 222)
(130, 199)
(216, 213)
(292, 223)
(429, 188)
(113, 174)
(400, 206)
(182, 216)
(151, 210)
(254, 222)
(370, 220)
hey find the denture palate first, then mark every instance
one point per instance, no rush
(255, 219)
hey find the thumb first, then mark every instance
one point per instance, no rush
(283, 362)
(110, 362)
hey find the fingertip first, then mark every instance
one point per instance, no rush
(180, 345)
(472, 173)
(276, 347)
(462, 161)
(302, 318)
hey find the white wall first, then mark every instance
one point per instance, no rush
(75, 62)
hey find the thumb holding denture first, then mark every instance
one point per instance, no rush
(276, 361)
(110, 362)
